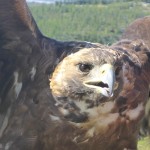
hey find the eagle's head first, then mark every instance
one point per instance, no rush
(83, 80)
(102, 91)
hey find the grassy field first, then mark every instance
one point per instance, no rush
(95, 23)
(144, 144)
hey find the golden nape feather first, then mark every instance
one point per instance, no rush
(58, 95)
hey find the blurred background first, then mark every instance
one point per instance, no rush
(100, 21)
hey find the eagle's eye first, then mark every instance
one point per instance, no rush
(85, 67)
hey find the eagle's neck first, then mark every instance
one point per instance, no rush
(81, 111)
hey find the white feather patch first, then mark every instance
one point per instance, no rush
(135, 113)
(17, 85)
(7, 146)
(32, 73)
(54, 118)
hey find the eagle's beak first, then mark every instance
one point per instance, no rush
(104, 82)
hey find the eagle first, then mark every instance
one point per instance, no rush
(62, 95)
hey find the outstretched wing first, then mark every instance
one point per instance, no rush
(24, 58)
(27, 58)
(17, 44)
(140, 29)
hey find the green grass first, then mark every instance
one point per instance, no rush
(95, 23)
(144, 144)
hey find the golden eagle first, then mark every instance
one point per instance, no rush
(97, 94)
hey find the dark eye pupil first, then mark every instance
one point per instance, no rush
(85, 67)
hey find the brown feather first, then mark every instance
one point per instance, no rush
(33, 117)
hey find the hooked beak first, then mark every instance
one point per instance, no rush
(104, 82)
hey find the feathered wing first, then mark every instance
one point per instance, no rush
(27, 58)
(140, 29)
(21, 58)
(17, 43)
